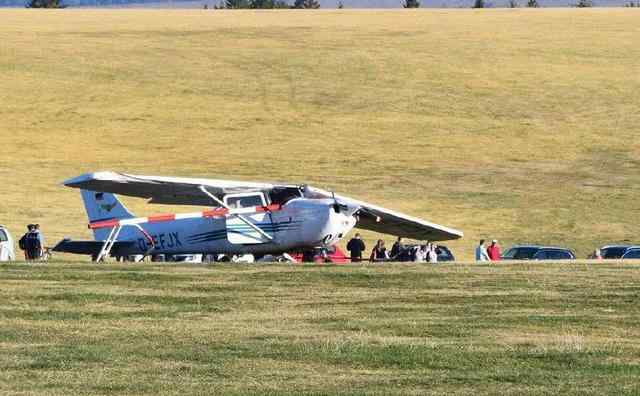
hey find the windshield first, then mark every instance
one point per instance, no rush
(444, 254)
(282, 195)
(3, 236)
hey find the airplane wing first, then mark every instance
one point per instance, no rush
(386, 221)
(163, 190)
(186, 191)
(378, 219)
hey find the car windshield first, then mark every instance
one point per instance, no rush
(613, 252)
(443, 253)
(3, 236)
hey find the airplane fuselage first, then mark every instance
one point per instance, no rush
(299, 224)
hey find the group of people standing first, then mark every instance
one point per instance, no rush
(399, 252)
(32, 243)
(490, 253)
(424, 253)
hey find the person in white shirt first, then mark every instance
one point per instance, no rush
(420, 255)
(432, 254)
(481, 252)
(40, 239)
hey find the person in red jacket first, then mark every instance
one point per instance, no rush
(494, 251)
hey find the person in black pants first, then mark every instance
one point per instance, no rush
(356, 247)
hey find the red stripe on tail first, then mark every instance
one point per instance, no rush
(104, 224)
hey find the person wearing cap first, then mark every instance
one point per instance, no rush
(493, 251)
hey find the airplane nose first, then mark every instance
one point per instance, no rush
(341, 221)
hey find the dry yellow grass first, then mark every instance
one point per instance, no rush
(515, 124)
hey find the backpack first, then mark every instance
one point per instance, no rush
(22, 243)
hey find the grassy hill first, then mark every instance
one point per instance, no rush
(393, 330)
(519, 125)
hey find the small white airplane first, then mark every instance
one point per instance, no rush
(244, 217)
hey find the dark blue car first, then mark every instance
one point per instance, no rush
(614, 251)
(535, 252)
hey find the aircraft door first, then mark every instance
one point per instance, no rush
(241, 233)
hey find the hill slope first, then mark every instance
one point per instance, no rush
(514, 124)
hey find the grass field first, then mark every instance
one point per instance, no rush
(396, 329)
(519, 124)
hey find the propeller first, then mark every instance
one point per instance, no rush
(336, 205)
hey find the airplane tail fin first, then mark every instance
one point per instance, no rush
(103, 206)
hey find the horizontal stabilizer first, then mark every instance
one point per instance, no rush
(92, 248)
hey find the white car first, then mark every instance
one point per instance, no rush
(7, 252)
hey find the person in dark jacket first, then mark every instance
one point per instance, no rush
(23, 243)
(32, 244)
(397, 249)
(356, 247)
(379, 252)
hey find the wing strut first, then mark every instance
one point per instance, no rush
(239, 216)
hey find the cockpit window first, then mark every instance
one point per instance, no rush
(244, 201)
(282, 195)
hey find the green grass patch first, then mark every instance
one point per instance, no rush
(283, 330)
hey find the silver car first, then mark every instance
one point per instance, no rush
(7, 251)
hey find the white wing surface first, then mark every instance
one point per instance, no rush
(163, 190)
